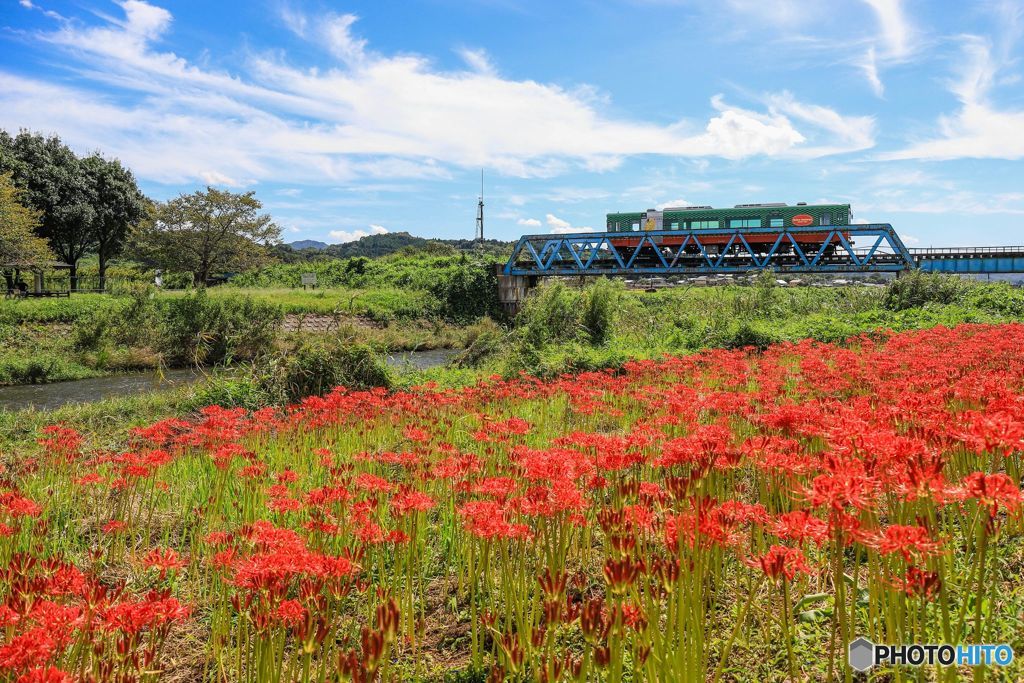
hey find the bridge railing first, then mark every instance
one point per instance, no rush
(965, 251)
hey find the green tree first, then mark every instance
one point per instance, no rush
(56, 185)
(19, 245)
(118, 206)
(207, 232)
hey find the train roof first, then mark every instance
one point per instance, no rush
(801, 206)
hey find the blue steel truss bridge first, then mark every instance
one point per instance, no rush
(868, 248)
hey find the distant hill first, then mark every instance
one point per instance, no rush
(373, 246)
(308, 244)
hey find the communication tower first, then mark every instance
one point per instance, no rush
(480, 211)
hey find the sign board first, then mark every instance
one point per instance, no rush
(802, 220)
(308, 279)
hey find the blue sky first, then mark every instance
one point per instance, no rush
(359, 117)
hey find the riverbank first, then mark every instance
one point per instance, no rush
(54, 395)
(94, 336)
(107, 419)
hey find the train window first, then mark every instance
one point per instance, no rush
(703, 225)
(744, 222)
(775, 223)
(673, 226)
(826, 219)
(636, 226)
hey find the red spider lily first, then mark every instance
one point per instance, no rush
(416, 434)
(90, 479)
(921, 583)
(49, 674)
(114, 526)
(62, 442)
(407, 501)
(800, 526)
(372, 483)
(904, 540)
(32, 649)
(154, 611)
(486, 519)
(839, 490)
(286, 477)
(290, 613)
(781, 561)
(18, 506)
(164, 560)
(498, 487)
(991, 491)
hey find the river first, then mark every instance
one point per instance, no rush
(57, 394)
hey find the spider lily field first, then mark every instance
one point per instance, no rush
(729, 515)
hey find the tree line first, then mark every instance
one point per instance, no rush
(56, 205)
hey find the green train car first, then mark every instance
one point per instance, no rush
(741, 216)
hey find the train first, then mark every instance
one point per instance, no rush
(777, 217)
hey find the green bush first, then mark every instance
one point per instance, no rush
(314, 367)
(918, 288)
(202, 330)
(39, 368)
(229, 392)
(128, 321)
(550, 315)
(600, 305)
(467, 293)
(748, 333)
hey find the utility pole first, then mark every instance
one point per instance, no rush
(480, 210)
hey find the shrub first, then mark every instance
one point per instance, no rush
(484, 340)
(917, 288)
(127, 321)
(599, 308)
(314, 367)
(229, 392)
(198, 329)
(550, 315)
(467, 292)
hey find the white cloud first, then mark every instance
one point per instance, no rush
(895, 42)
(897, 33)
(529, 222)
(846, 133)
(979, 129)
(870, 67)
(671, 202)
(478, 61)
(371, 115)
(340, 41)
(961, 203)
(215, 178)
(353, 235)
(559, 226)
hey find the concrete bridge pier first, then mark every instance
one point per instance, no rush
(512, 289)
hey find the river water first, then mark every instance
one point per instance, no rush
(57, 394)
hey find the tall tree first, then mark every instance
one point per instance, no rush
(56, 186)
(20, 247)
(207, 232)
(118, 206)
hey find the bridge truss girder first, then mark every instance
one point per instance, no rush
(745, 249)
